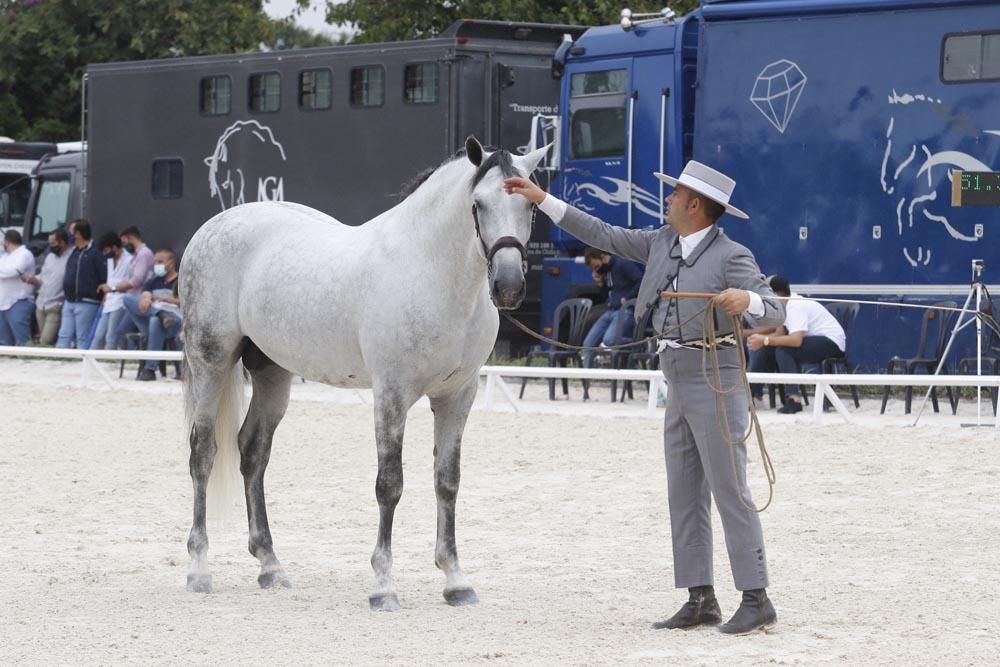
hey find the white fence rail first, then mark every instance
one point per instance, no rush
(496, 375)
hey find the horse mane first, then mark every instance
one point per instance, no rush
(499, 157)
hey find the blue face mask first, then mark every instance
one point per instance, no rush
(159, 270)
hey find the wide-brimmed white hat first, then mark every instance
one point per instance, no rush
(706, 181)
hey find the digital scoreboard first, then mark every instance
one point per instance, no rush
(975, 188)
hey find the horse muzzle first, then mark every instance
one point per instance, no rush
(507, 280)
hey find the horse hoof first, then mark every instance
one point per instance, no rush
(461, 597)
(199, 583)
(384, 602)
(274, 579)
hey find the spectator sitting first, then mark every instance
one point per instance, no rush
(113, 309)
(622, 279)
(156, 311)
(85, 271)
(810, 334)
(17, 298)
(142, 266)
(49, 283)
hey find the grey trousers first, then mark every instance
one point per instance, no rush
(699, 468)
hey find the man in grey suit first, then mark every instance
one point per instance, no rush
(691, 254)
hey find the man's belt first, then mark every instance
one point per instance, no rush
(722, 342)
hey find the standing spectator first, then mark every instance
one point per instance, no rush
(810, 334)
(113, 310)
(156, 312)
(622, 279)
(49, 283)
(85, 271)
(16, 295)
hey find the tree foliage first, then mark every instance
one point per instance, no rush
(45, 45)
(393, 20)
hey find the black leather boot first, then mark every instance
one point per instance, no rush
(755, 613)
(701, 609)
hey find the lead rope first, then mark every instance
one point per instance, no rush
(722, 411)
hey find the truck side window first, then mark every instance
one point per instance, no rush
(420, 83)
(168, 178)
(52, 208)
(216, 95)
(315, 89)
(970, 57)
(368, 86)
(597, 113)
(265, 92)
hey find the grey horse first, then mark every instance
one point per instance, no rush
(405, 304)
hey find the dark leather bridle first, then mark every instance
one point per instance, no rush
(503, 241)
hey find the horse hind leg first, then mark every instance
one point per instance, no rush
(391, 405)
(211, 390)
(271, 388)
(450, 415)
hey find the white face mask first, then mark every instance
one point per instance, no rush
(159, 270)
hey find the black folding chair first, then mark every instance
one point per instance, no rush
(567, 327)
(928, 355)
(613, 358)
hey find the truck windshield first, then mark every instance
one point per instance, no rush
(597, 108)
(18, 189)
(52, 207)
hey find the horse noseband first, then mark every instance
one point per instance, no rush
(500, 243)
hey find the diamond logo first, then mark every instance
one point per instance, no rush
(777, 90)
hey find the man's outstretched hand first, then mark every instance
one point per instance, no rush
(516, 185)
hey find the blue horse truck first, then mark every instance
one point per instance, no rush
(841, 122)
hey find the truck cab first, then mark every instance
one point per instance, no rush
(56, 197)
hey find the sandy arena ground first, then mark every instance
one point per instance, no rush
(883, 538)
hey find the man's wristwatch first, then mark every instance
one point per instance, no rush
(767, 341)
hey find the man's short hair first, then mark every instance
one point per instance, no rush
(131, 230)
(13, 236)
(169, 251)
(593, 253)
(713, 209)
(82, 227)
(109, 240)
(780, 286)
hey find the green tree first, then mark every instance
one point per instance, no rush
(45, 46)
(393, 20)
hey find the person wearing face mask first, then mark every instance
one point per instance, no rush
(16, 295)
(156, 311)
(85, 271)
(49, 283)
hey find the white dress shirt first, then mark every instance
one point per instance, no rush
(12, 265)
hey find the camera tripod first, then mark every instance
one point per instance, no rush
(981, 295)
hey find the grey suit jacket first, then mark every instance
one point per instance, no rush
(716, 264)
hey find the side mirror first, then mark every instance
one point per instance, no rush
(559, 57)
(4, 209)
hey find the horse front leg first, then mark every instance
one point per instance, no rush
(390, 421)
(450, 415)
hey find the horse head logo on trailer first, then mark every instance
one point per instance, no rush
(246, 156)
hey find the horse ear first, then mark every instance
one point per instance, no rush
(474, 150)
(530, 161)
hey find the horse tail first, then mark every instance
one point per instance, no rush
(225, 484)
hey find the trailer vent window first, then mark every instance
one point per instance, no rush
(265, 92)
(315, 89)
(368, 86)
(420, 83)
(216, 95)
(974, 57)
(597, 114)
(168, 179)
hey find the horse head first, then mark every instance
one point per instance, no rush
(503, 224)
